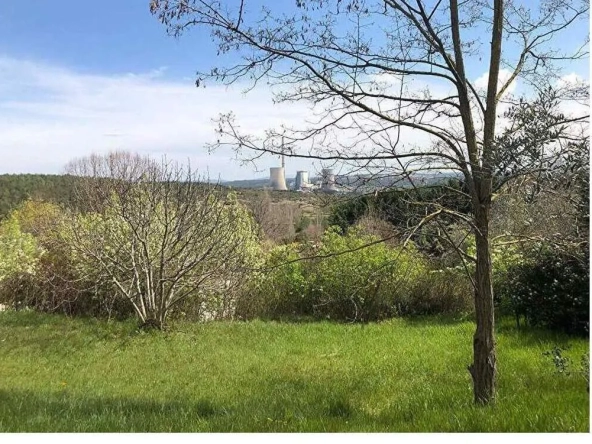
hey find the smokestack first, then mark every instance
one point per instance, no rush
(301, 180)
(277, 179)
(283, 158)
(328, 181)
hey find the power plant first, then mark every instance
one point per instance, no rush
(277, 177)
(277, 180)
(328, 181)
(301, 182)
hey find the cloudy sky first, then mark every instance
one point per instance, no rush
(91, 76)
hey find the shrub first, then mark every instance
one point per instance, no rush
(279, 290)
(351, 277)
(370, 283)
(46, 278)
(551, 290)
(19, 251)
(163, 254)
(441, 291)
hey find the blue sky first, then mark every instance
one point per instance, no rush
(78, 76)
(108, 36)
(83, 76)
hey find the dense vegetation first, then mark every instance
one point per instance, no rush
(540, 276)
(352, 277)
(304, 270)
(405, 208)
(551, 290)
(16, 188)
(59, 188)
(74, 375)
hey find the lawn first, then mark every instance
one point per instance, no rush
(77, 375)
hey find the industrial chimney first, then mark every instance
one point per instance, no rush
(277, 179)
(301, 180)
(328, 181)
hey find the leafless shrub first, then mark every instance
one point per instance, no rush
(158, 234)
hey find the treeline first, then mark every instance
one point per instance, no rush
(405, 209)
(16, 188)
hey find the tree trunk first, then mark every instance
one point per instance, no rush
(483, 368)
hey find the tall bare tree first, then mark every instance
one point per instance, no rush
(158, 234)
(379, 72)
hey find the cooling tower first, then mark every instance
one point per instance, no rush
(277, 179)
(328, 181)
(301, 180)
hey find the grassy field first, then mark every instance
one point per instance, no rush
(59, 374)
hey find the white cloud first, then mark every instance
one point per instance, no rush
(570, 80)
(49, 115)
(504, 76)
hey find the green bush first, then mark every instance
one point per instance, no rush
(38, 270)
(19, 251)
(351, 277)
(551, 290)
(280, 289)
(367, 284)
(441, 291)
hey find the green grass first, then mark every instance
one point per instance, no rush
(59, 374)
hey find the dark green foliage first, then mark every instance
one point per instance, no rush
(528, 146)
(405, 208)
(16, 188)
(534, 124)
(551, 291)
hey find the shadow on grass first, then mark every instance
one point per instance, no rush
(291, 319)
(32, 412)
(27, 318)
(47, 331)
(532, 335)
(28, 411)
(419, 320)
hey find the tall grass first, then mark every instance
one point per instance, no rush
(60, 374)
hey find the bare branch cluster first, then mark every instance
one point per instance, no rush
(157, 233)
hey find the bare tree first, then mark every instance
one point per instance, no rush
(157, 233)
(275, 219)
(379, 71)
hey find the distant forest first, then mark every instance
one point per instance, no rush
(16, 188)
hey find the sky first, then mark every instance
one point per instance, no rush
(92, 76)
